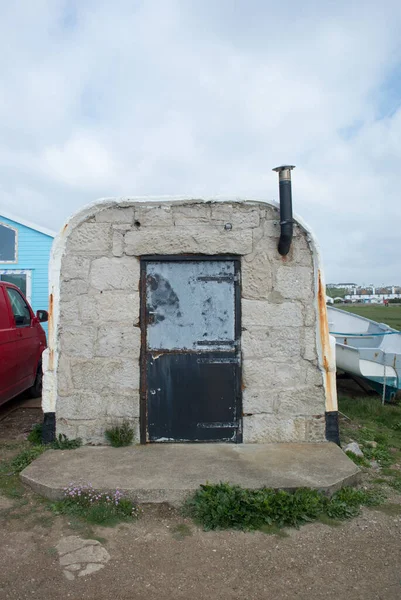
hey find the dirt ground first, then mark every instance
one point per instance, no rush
(163, 555)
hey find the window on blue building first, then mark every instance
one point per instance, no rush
(8, 244)
(18, 279)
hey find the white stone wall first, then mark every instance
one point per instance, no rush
(93, 372)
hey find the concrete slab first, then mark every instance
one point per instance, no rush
(169, 472)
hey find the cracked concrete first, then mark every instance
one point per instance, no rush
(81, 557)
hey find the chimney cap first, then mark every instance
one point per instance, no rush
(283, 168)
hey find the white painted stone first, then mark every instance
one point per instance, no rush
(304, 400)
(75, 267)
(198, 240)
(276, 343)
(310, 315)
(118, 339)
(294, 283)
(153, 216)
(116, 214)
(64, 379)
(69, 310)
(259, 373)
(110, 306)
(239, 217)
(122, 405)
(90, 239)
(115, 273)
(257, 276)
(309, 351)
(72, 288)
(99, 373)
(192, 214)
(266, 428)
(82, 405)
(261, 313)
(256, 401)
(78, 340)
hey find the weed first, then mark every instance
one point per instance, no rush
(35, 436)
(83, 502)
(380, 454)
(397, 426)
(25, 457)
(120, 435)
(63, 443)
(225, 506)
(358, 460)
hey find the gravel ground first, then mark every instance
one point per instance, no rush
(162, 555)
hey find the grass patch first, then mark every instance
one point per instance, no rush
(358, 460)
(326, 520)
(120, 435)
(25, 457)
(224, 506)
(84, 503)
(35, 436)
(391, 315)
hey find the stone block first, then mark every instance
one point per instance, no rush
(191, 214)
(196, 240)
(92, 239)
(99, 373)
(65, 385)
(259, 401)
(80, 405)
(257, 277)
(294, 283)
(154, 216)
(122, 405)
(301, 400)
(309, 344)
(118, 339)
(276, 343)
(118, 243)
(110, 306)
(69, 310)
(263, 373)
(316, 428)
(116, 214)
(115, 273)
(240, 217)
(266, 428)
(311, 374)
(75, 267)
(310, 314)
(72, 288)
(257, 314)
(77, 340)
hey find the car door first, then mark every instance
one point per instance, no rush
(25, 336)
(8, 352)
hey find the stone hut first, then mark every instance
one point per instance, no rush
(181, 317)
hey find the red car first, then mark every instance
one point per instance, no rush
(22, 341)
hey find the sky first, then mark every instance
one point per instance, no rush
(103, 98)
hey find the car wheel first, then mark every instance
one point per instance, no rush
(36, 390)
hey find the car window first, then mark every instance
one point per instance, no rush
(22, 314)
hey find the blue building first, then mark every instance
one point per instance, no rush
(24, 258)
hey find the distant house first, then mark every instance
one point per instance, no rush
(24, 257)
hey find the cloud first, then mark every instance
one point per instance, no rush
(204, 97)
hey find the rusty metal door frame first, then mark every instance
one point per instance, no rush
(145, 259)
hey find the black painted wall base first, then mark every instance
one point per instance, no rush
(49, 428)
(332, 428)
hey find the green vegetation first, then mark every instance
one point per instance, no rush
(60, 443)
(120, 435)
(97, 508)
(225, 506)
(390, 315)
(25, 457)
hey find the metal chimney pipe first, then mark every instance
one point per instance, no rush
(286, 221)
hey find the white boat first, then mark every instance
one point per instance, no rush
(367, 349)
